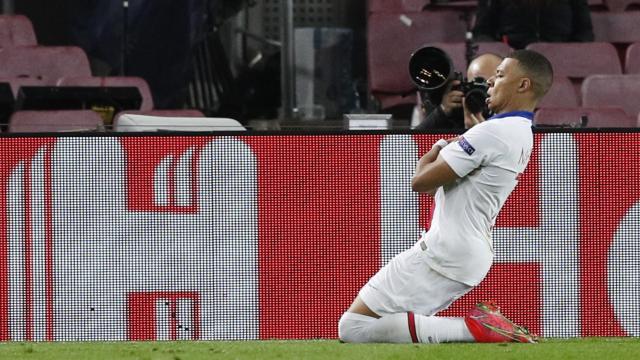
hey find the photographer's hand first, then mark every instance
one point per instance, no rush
(451, 99)
(471, 119)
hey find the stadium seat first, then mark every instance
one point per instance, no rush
(621, 27)
(620, 5)
(47, 63)
(113, 81)
(129, 122)
(579, 60)
(55, 121)
(561, 94)
(397, 6)
(632, 59)
(578, 116)
(612, 90)
(392, 38)
(16, 30)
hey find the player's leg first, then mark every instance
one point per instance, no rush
(361, 325)
(405, 327)
(483, 323)
(380, 311)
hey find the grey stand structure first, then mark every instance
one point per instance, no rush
(288, 81)
(7, 7)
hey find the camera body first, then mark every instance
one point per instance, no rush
(475, 93)
(431, 68)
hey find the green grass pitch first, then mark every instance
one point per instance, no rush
(581, 349)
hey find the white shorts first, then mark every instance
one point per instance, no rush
(407, 283)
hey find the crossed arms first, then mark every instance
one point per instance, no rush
(432, 171)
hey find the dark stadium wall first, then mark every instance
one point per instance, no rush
(50, 19)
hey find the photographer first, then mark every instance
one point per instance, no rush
(443, 108)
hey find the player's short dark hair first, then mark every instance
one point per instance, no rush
(537, 67)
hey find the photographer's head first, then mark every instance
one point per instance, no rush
(479, 70)
(520, 81)
(483, 66)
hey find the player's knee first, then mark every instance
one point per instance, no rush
(345, 329)
(351, 329)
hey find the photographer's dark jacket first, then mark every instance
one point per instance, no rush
(436, 118)
(521, 22)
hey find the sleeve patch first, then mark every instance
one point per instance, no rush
(464, 144)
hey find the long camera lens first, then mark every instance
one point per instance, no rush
(430, 68)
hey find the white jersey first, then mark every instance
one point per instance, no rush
(488, 158)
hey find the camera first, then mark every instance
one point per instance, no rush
(431, 68)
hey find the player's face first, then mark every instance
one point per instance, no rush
(503, 86)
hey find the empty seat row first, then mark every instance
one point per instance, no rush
(616, 27)
(46, 63)
(618, 90)
(578, 60)
(60, 66)
(612, 90)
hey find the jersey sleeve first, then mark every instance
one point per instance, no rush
(474, 148)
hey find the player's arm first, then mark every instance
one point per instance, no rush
(432, 171)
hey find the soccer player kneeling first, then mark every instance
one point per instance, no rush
(470, 177)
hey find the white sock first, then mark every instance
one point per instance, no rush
(436, 329)
(396, 328)
(392, 328)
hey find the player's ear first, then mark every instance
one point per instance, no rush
(525, 85)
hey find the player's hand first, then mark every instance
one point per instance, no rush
(471, 119)
(451, 99)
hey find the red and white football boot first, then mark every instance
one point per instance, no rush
(488, 325)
